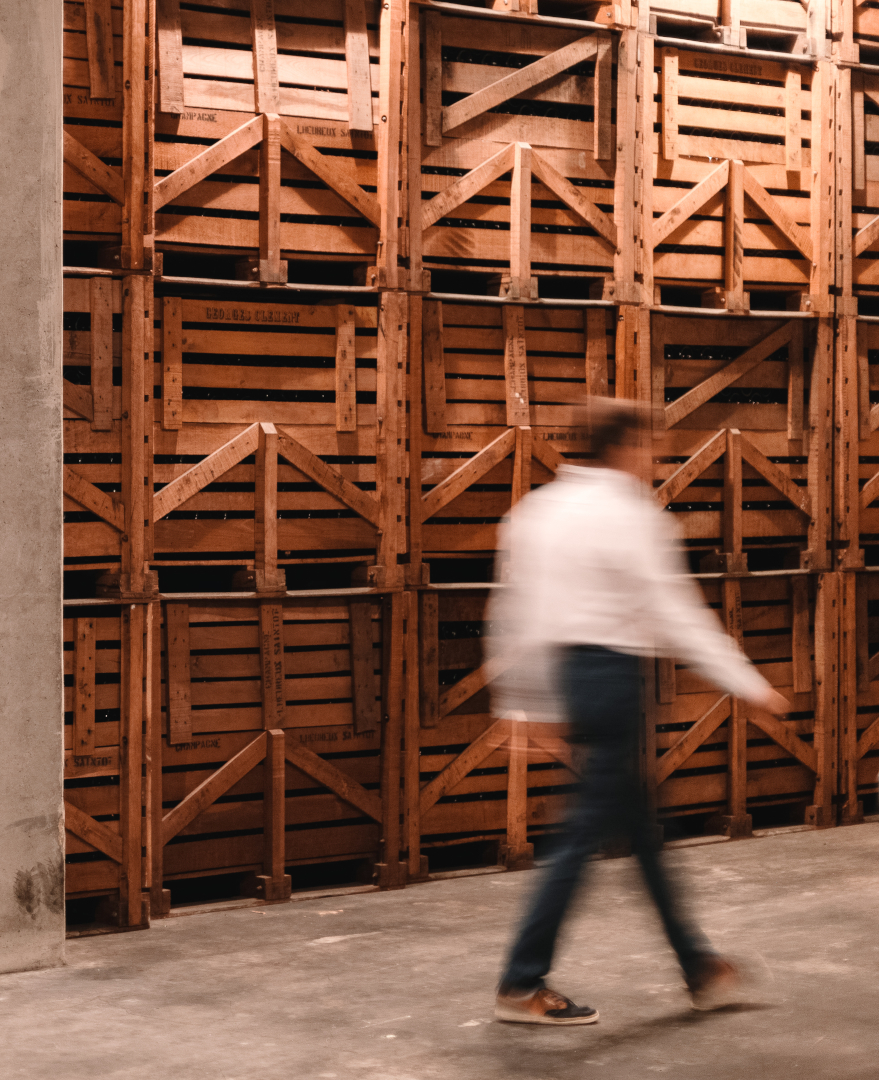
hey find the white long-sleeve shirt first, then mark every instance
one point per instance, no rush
(594, 561)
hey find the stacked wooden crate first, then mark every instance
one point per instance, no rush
(335, 280)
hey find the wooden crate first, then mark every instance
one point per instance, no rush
(756, 394)
(93, 511)
(268, 750)
(708, 753)
(857, 131)
(514, 168)
(856, 29)
(470, 776)
(498, 383)
(268, 444)
(266, 138)
(776, 25)
(103, 753)
(738, 203)
(858, 692)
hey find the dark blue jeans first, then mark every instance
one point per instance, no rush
(602, 693)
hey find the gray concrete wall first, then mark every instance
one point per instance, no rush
(31, 684)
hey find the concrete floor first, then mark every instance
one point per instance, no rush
(399, 986)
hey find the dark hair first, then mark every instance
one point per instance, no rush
(613, 422)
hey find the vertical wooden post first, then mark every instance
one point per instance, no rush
(265, 518)
(820, 446)
(801, 642)
(520, 225)
(631, 155)
(602, 139)
(827, 627)
(516, 853)
(850, 168)
(433, 78)
(516, 367)
(366, 707)
(160, 898)
(134, 132)
(666, 681)
(795, 386)
(737, 821)
(846, 452)
(669, 103)
(793, 156)
(169, 35)
(84, 687)
(136, 460)
(521, 465)
(357, 59)
(822, 189)
(858, 125)
(390, 872)
(428, 659)
(346, 369)
(644, 144)
(265, 56)
(390, 102)
(417, 866)
(733, 239)
(434, 367)
(133, 911)
(390, 465)
(179, 673)
(595, 333)
(851, 632)
(101, 352)
(730, 19)
(418, 571)
(732, 501)
(172, 363)
(271, 647)
(271, 267)
(99, 45)
(418, 279)
(273, 883)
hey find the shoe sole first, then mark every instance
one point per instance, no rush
(512, 1016)
(719, 999)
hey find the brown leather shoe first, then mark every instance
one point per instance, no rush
(542, 1007)
(715, 983)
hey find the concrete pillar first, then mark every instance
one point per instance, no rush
(31, 683)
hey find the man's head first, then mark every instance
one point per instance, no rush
(615, 431)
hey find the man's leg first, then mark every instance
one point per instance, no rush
(593, 820)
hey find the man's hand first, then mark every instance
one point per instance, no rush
(772, 702)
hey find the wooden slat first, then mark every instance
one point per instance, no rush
(692, 739)
(787, 739)
(332, 175)
(520, 221)
(572, 198)
(869, 492)
(800, 497)
(859, 133)
(734, 237)
(271, 269)
(265, 506)
(869, 739)
(217, 784)
(693, 467)
(518, 82)
(546, 454)
(84, 687)
(471, 684)
(732, 492)
(602, 99)
(363, 662)
(179, 673)
(96, 833)
(595, 333)
(106, 507)
(333, 778)
(428, 658)
(434, 367)
(468, 760)
(359, 501)
(521, 485)
(865, 238)
(207, 162)
(516, 367)
(275, 883)
(433, 78)
(801, 645)
(468, 186)
(78, 399)
(793, 155)
(205, 472)
(265, 56)
(93, 169)
(732, 372)
(357, 60)
(770, 206)
(346, 369)
(467, 474)
(689, 204)
(169, 44)
(99, 42)
(172, 363)
(272, 668)
(101, 352)
(669, 104)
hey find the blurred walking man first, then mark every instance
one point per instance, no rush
(595, 585)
